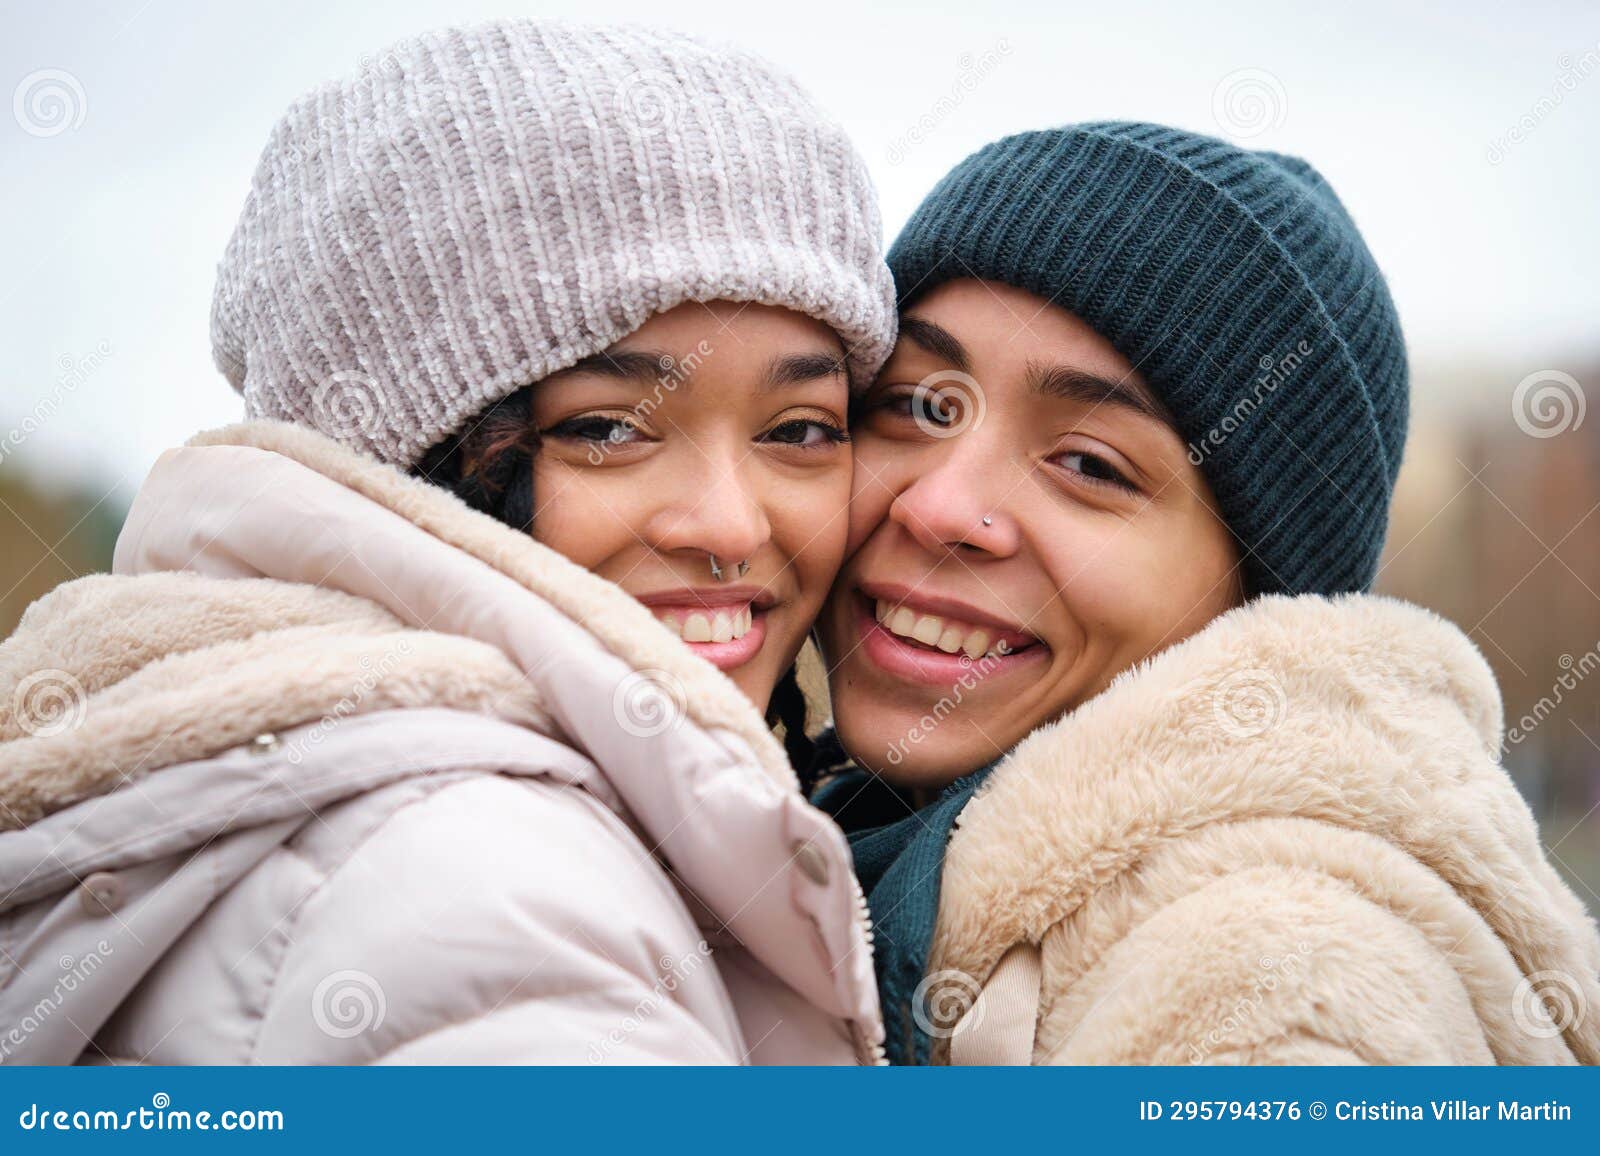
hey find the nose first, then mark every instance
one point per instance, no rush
(958, 499)
(717, 511)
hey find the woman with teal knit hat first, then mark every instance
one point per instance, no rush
(1134, 766)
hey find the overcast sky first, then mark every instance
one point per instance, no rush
(1465, 139)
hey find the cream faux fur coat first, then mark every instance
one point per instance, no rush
(334, 769)
(1286, 840)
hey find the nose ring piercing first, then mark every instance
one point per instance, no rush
(741, 568)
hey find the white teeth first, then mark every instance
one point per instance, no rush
(717, 626)
(932, 630)
(928, 629)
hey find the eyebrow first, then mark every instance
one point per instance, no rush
(643, 366)
(799, 368)
(937, 340)
(1066, 383)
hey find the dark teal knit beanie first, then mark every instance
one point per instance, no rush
(1238, 286)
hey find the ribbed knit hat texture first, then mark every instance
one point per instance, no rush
(1238, 286)
(481, 207)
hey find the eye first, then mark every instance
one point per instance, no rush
(1094, 469)
(598, 428)
(807, 434)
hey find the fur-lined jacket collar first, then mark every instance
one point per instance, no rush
(1307, 781)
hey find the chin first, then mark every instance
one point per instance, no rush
(930, 763)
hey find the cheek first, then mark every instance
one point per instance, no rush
(584, 522)
(871, 494)
(1146, 586)
(810, 527)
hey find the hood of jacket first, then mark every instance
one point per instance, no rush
(1346, 748)
(266, 577)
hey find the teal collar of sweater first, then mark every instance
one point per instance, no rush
(899, 858)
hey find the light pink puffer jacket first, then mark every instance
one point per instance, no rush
(334, 770)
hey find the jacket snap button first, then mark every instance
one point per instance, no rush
(812, 862)
(102, 893)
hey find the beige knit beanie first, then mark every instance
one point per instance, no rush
(481, 207)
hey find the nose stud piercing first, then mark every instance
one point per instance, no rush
(741, 568)
(987, 520)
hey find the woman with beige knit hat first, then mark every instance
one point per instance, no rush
(384, 739)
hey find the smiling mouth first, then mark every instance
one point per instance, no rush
(942, 633)
(725, 624)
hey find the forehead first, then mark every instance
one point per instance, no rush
(1005, 328)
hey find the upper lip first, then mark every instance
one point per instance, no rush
(711, 597)
(937, 604)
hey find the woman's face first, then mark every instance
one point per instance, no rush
(713, 430)
(1025, 524)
